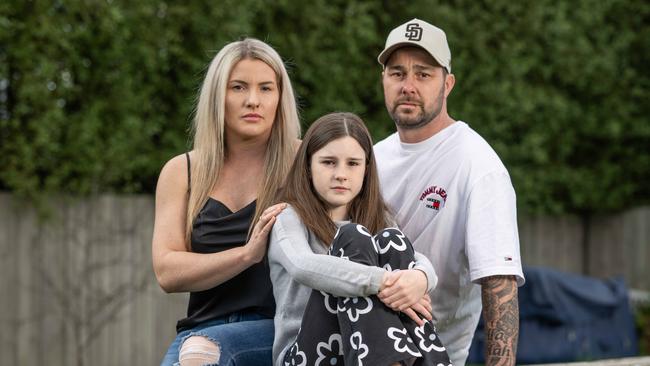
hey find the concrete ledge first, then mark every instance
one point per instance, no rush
(630, 361)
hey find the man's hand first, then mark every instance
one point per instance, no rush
(501, 315)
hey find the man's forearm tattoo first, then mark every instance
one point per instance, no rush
(501, 315)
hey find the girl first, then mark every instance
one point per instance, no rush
(212, 217)
(333, 191)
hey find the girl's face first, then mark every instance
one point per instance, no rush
(337, 172)
(252, 97)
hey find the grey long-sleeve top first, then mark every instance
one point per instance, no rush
(298, 265)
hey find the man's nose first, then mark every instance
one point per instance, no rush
(408, 85)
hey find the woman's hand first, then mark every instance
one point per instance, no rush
(256, 246)
(401, 289)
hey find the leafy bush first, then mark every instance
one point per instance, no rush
(96, 95)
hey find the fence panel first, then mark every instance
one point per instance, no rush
(79, 288)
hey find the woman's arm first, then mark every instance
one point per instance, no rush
(178, 270)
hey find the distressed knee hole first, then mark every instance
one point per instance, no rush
(198, 351)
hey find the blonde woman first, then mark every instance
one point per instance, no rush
(213, 208)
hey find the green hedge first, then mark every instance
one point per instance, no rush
(96, 95)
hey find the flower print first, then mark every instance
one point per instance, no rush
(295, 357)
(342, 254)
(356, 342)
(390, 238)
(403, 343)
(428, 339)
(331, 302)
(330, 352)
(362, 230)
(354, 306)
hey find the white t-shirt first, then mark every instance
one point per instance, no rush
(452, 196)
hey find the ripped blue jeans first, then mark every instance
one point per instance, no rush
(244, 339)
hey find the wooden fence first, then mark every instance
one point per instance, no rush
(78, 288)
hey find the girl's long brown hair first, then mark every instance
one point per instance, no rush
(367, 208)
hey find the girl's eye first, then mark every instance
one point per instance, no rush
(328, 162)
(237, 87)
(267, 88)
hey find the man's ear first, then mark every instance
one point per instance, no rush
(450, 81)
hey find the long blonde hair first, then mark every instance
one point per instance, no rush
(209, 125)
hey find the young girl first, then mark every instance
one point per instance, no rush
(338, 308)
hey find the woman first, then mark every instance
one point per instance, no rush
(327, 312)
(213, 208)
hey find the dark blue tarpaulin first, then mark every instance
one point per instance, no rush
(566, 317)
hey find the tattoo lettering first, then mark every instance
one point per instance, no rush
(501, 315)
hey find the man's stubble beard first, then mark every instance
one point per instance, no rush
(425, 118)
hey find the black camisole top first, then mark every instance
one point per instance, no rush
(216, 229)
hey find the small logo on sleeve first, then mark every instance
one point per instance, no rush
(434, 197)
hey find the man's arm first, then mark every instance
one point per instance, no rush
(501, 316)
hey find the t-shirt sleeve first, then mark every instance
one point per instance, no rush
(492, 238)
(332, 274)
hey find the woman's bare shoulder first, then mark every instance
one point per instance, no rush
(174, 173)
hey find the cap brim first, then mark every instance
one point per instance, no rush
(385, 54)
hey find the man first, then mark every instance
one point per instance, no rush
(451, 195)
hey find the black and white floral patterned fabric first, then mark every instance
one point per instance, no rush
(358, 331)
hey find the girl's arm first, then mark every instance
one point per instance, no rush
(177, 269)
(290, 248)
(424, 264)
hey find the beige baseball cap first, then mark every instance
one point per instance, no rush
(419, 33)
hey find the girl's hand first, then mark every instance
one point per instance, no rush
(256, 246)
(420, 309)
(401, 289)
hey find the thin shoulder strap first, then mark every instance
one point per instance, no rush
(189, 172)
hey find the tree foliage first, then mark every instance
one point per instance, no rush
(96, 95)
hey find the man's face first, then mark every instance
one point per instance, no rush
(414, 87)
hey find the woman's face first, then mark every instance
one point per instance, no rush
(337, 172)
(252, 97)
